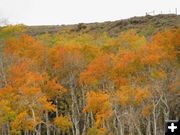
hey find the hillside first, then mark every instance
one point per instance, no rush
(146, 25)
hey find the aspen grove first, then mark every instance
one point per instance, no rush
(88, 84)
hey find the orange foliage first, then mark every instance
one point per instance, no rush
(46, 105)
(63, 122)
(125, 95)
(169, 40)
(152, 54)
(27, 47)
(56, 56)
(54, 89)
(127, 63)
(128, 41)
(20, 123)
(129, 96)
(23, 73)
(141, 95)
(97, 70)
(146, 111)
(99, 103)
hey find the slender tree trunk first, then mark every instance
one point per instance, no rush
(92, 119)
(148, 128)
(2, 131)
(119, 123)
(74, 111)
(39, 129)
(115, 127)
(86, 121)
(47, 123)
(57, 113)
(154, 121)
(73, 129)
(8, 129)
(54, 132)
(85, 124)
(138, 129)
(34, 119)
(3, 72)
(131, 121)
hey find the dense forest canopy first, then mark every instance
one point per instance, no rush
(74, 82)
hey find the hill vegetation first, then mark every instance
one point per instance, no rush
(146, 25)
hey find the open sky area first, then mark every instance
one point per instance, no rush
(57, 12)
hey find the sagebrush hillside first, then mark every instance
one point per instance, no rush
(146, 25)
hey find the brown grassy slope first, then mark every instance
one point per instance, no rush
(146, 25)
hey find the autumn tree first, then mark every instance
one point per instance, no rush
(99, 104)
